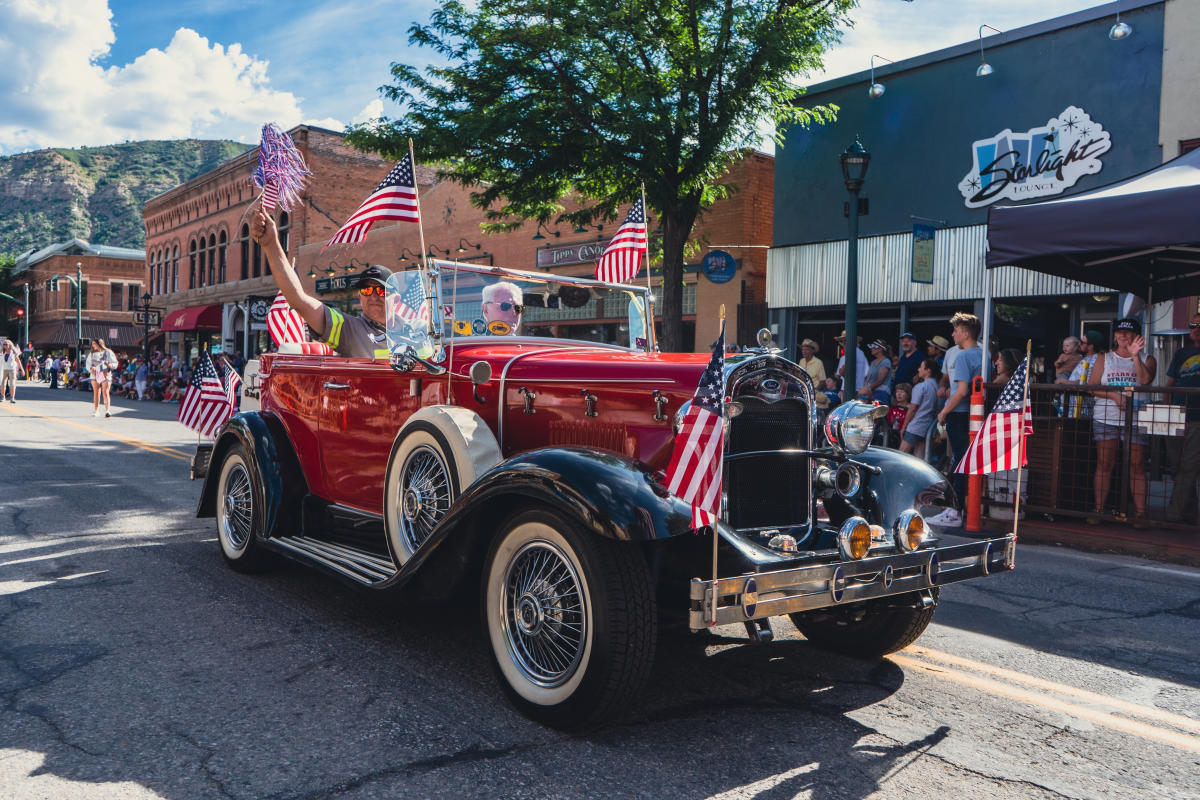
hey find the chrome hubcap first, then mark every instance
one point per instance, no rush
(424, 494)
(238, 518)
(544, 614)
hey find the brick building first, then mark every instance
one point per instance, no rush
(203, 269)
(112, 279)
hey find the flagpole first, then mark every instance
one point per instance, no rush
(1021, 450)
(649, 287)
(713, 617)
(426, 276)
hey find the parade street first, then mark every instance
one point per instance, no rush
(135, 664)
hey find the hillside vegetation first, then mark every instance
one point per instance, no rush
(95, 193)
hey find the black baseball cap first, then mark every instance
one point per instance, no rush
(1128, 324)
(373, 273)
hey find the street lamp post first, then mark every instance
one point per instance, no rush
(27, 314)
(78, 314)
(854, 169)
(146, 329)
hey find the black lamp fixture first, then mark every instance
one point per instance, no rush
(312, 273)
(1120, 30)
(984, 68)
(877, 89)
(542, 226)
(355, 264)
(854, 165)
(331, 270)
(434, 250)
(581, 228)
(463, 244)
(406, 254)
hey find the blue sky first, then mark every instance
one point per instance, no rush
(92, 72)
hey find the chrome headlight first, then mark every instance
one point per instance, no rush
(851, 426)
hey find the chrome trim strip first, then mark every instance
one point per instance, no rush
(820, 586)
(362, 567)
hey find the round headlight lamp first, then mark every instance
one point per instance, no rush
(854, 538)
(909, 530)
(851, 426)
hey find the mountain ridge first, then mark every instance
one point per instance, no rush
(96, 193)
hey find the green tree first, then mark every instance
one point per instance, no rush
(539, 100)
(8, 265)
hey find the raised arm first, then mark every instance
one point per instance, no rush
(263, 229)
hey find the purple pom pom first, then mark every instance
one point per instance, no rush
(281, 170)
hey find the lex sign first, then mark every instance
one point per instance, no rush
(1042, 161)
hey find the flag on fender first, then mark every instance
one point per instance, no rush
(205, 406)
(285, 322)
(1000, 445)
(698, 458)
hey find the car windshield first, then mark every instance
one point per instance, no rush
(495, 301)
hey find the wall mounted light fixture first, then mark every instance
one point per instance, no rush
(463, 244)
(1120, 30)
(406, 254)
(985, 68)
(542, 226)
(877, 89)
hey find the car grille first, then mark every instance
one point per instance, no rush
(770, 490)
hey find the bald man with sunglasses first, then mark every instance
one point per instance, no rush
(354, 337)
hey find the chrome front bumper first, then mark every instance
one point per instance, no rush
(770, 594)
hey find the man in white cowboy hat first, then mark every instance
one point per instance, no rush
(814, 367)
(861, 361)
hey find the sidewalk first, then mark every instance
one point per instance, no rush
(1158, 544)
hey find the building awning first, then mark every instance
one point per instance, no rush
(117, 335)
(195, 318)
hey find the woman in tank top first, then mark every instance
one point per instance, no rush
(1122, 366)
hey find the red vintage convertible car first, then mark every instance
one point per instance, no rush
(488, 456)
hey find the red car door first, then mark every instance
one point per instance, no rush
(363, 405)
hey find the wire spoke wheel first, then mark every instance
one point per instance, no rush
(545, 617)
(424, 494)
(237, 507)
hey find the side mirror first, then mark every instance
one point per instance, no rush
(481, 373)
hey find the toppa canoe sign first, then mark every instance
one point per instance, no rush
(1042, 161)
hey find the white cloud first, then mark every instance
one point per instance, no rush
(328, 123)
(371, 111)
(55, 94)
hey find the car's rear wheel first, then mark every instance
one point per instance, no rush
(238, 516)
(870, 629)
(570, 619)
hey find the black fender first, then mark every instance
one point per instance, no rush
(613, 496)
(278, 481)
(903, 482)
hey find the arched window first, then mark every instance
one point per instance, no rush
(202, 261)
(244, 246)
(212, 259)
(192, 264)
(221, 257)
(285, 227)
(256, 262)
(175, 270)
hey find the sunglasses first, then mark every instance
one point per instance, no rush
(1194, 324)
(367, 291)
(507, 306)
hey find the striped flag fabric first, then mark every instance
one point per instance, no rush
(622, 258)
(205, 406)
(270, 196)
(1000, 445)
(285, 322)
(697, 461)
(409, 305)
(395, 198)
(232, 382)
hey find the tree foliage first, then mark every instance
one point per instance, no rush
(539, 100)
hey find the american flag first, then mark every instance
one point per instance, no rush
(270, 196)
(1000, 445)
(410, 305)
(698, 458)
(621, 259)
(285, 322)
(394, 198)
(232, 382)
(205, 404)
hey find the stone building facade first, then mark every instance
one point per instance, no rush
(112, 279)
(206, 272)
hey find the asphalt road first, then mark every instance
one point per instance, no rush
(134, 664)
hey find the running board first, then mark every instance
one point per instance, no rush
(355, 564)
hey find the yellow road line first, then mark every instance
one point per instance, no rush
(1182, 741)
(1133, 709)
(149, 447)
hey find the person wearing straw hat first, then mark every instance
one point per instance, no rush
(860, 361)
(815, 368)
(936, 348)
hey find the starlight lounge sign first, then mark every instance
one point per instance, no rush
(1037, 163)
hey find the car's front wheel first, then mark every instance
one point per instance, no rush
(570, 619)
(238, 515)
(870, 629)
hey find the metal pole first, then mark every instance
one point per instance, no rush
(850, 375)
(26, 314)
(986, 343)
(78, 313)
(146, 331)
